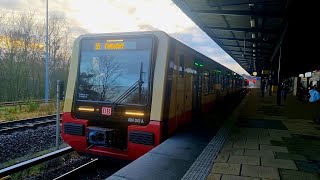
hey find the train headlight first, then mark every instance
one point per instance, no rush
(86, 108)
(134, 113)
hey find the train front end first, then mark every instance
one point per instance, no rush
(108, 99)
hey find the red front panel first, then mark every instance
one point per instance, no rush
(80, 143)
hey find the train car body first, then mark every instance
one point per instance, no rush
(128, 92)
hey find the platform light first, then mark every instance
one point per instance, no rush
(253, 35)
(253, 50)
(307, 74)
(252, 22)
(254, 45)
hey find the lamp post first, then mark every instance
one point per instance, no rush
(47, 59)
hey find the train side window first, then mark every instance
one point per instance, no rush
(228, 81)
(181, 66)
(206, 83)
(218, 79)
(222, 82)
(213, 82)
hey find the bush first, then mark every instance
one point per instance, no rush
(32, 106)
(48, 108)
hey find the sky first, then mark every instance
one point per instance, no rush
(104, 16)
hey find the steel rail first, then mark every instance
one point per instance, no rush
(32, 162)
(82, 168)
(26, 123)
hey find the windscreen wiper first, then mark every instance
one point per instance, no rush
(128, 92)
(136, 85)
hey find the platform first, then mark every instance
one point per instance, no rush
(260, 140)
(271, 142)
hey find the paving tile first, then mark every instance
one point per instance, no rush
(259, 153)
(264, 138)
(228, 144)
(253, 138)
(274, 134)
(244, 160)
(277, 131)
(226, 168)
(252, 141)
(246, 145)
(273, 148)
(297, 175)
(265, 141)
(240, 141)
(231, 151)
(260, 172)
(278, 163)
(276, 138)
(237, 138)
(278, 143)
(282, 155)
(221, 159)
(212, 176)
(231, 177)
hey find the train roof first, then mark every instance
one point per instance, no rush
(155, 32)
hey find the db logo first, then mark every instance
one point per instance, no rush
(106, 111)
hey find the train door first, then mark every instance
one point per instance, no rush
(180, 93)
(197, 91)
(170, 121)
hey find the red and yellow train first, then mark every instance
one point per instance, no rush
(128, 92)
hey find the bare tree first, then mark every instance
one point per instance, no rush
(22, 52)
(59, 49)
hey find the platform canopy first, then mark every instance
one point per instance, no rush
(252, 31)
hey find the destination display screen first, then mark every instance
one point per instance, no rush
(114, 45)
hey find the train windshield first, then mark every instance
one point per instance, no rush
(115, 71)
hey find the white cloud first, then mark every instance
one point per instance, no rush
(10, 4)
(97, 16)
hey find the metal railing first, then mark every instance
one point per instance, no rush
(32, 162)
(16, 103)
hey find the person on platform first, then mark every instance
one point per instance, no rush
(284, 90)
(263, 86)
(314, 94)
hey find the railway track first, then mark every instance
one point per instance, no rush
(84, 169)
(9, 126)
(87, 169)
(94, 169)
(32, 162)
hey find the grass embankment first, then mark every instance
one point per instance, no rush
(29, 110)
